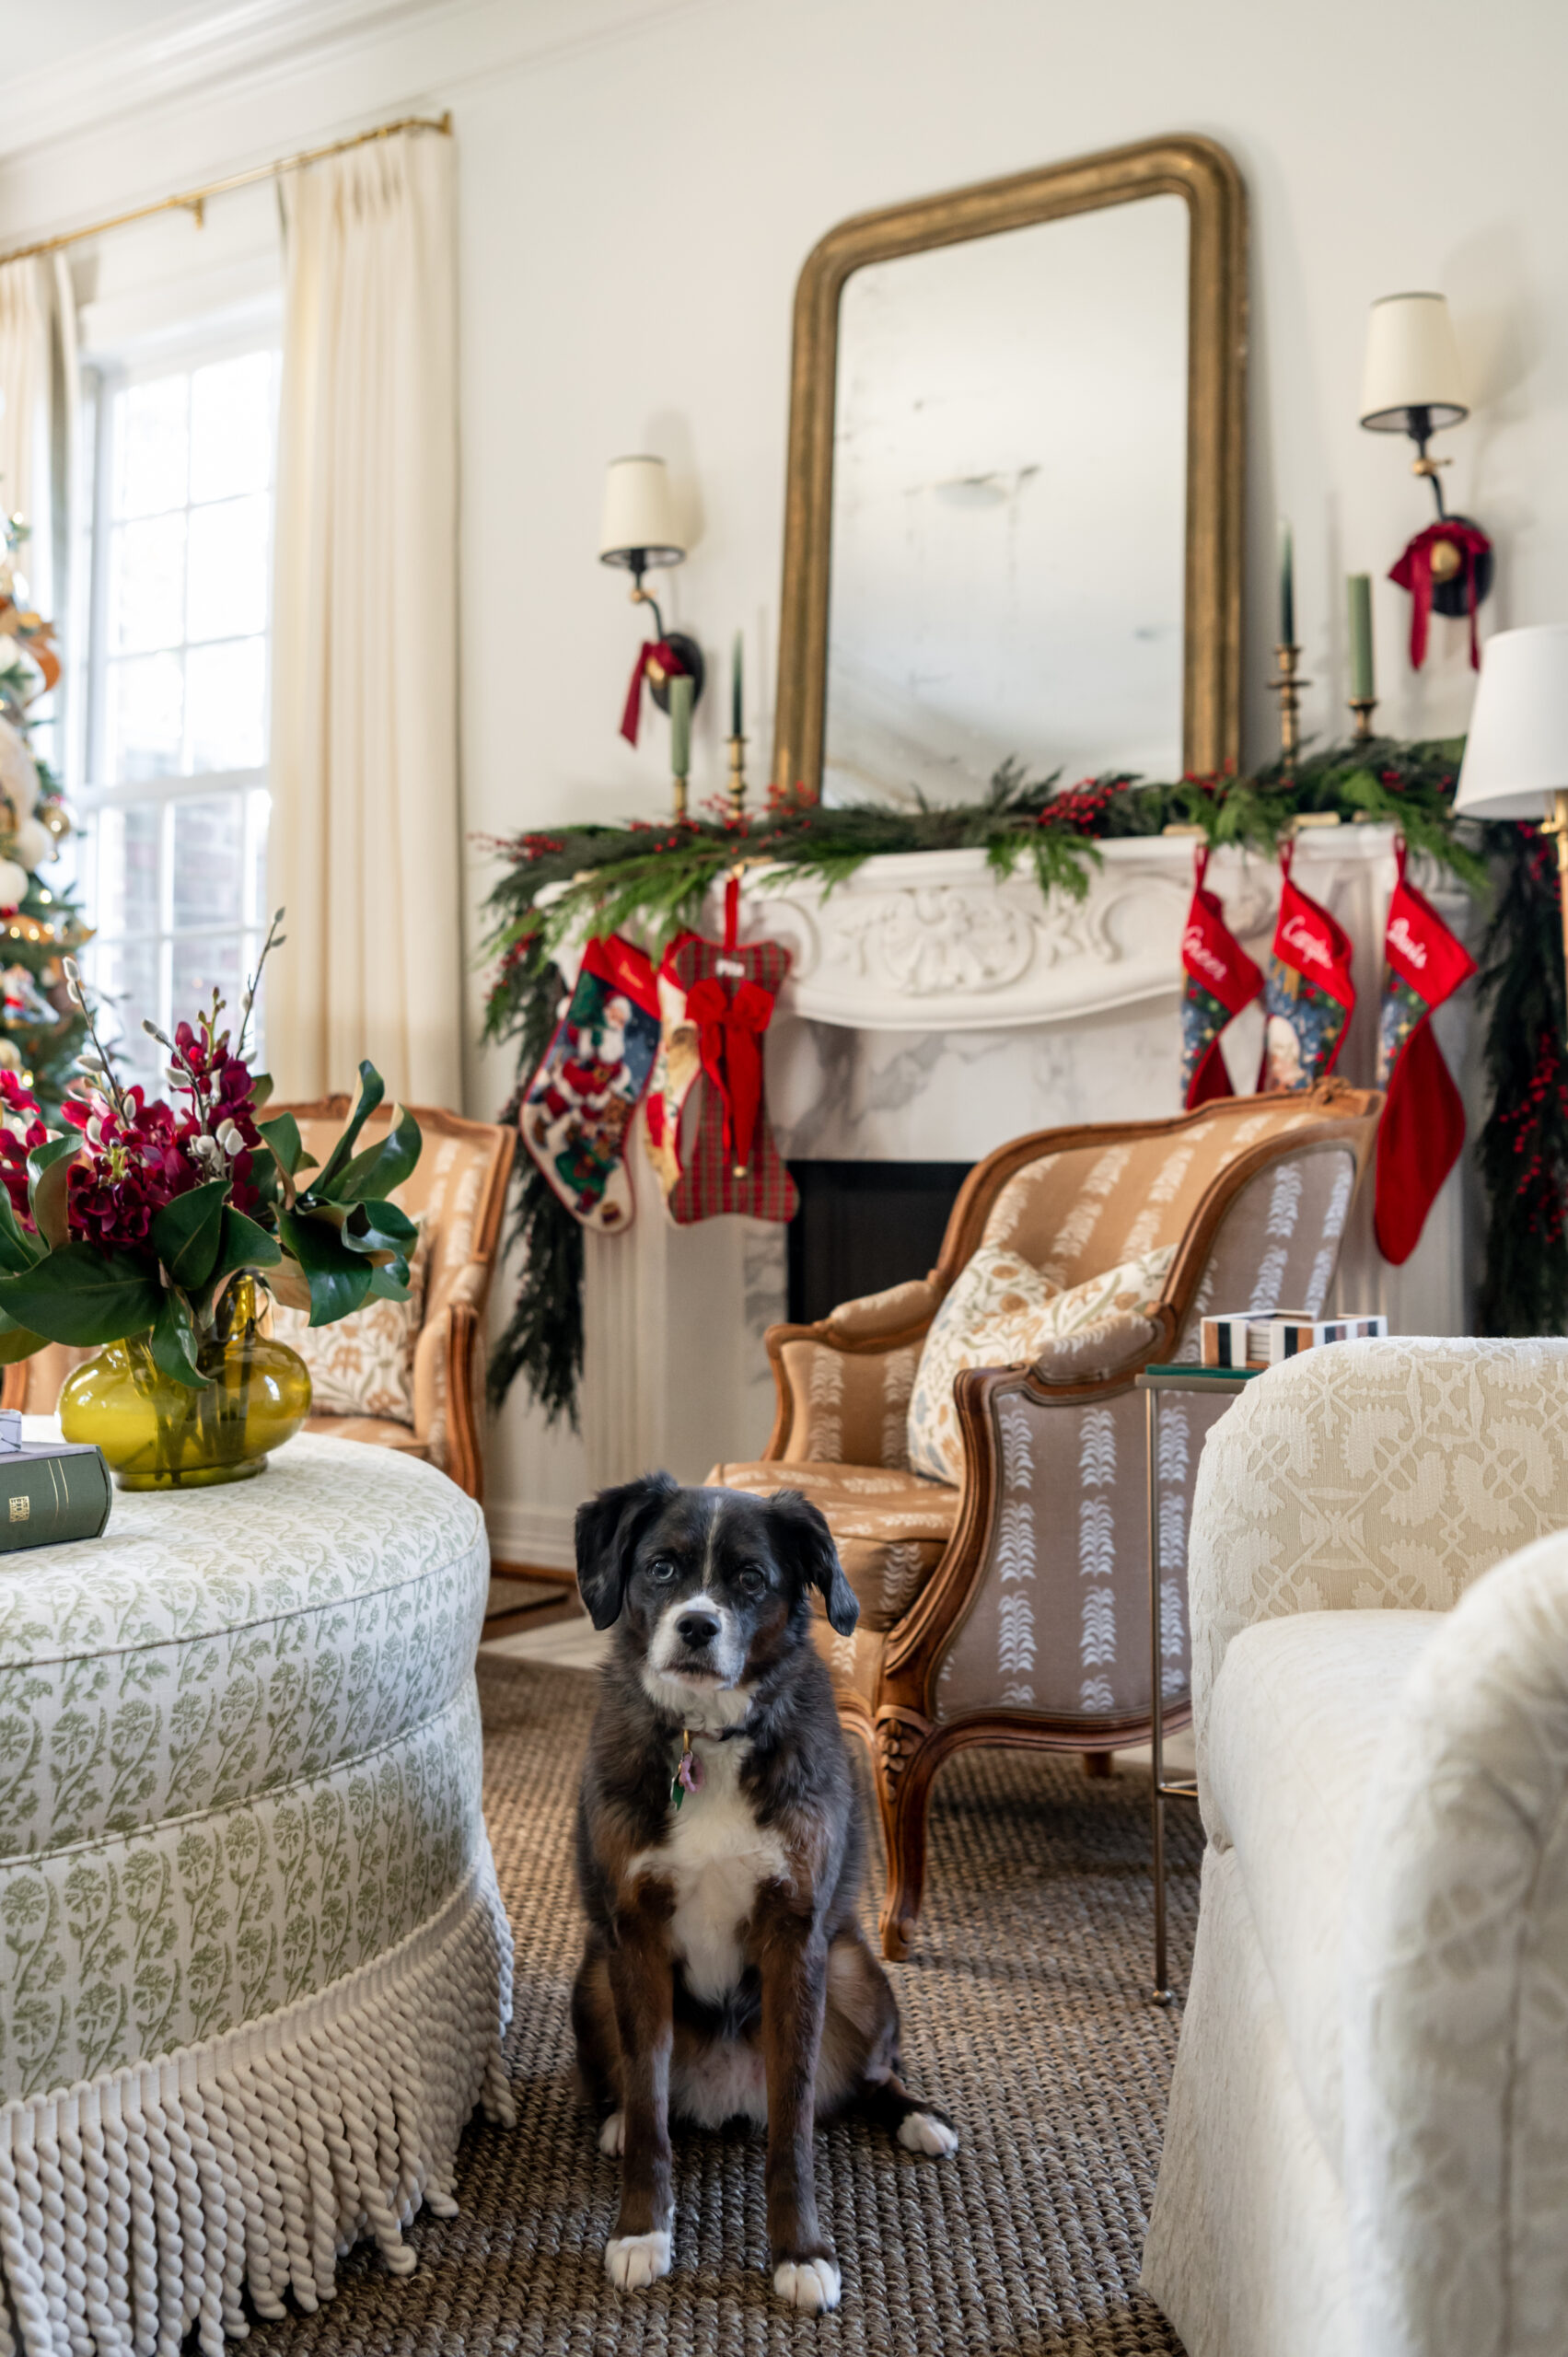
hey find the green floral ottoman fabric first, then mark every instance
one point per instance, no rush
(240, 1753)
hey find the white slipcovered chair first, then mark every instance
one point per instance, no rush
(1367, 2154)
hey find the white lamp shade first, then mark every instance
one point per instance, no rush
(639, 515)
(1413, 362)
(1516, 752)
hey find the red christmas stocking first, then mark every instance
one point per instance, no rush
(676, 1067)
(1309, 997)
(1220, 981)
(580, 1101)
(1423, 1120)
(729, 1159)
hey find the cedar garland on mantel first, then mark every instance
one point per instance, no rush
(650, 880)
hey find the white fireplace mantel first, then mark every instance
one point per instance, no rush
(934, 1010)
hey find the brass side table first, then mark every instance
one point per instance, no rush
(1203, 1380)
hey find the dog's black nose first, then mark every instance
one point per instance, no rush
(698, 1628)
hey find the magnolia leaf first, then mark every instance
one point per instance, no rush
(261, 1090)
(382, 1167)
(174, 1342)
(49, 1184)
(242, 1245)
(18, 1249)
(17, 1342)
(372, 1088)
(186, 1234)
(83, 1296)
(282, 1133)
(379, 1227)
(338, 1279)
(388, 1280)
(289, 1285)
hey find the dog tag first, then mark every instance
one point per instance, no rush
(689, 1776)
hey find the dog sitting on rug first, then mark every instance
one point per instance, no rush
(719, 1853)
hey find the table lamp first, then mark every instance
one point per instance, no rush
(637, 531)
(1515, 763)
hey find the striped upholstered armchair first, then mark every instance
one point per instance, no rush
(1010, 1607)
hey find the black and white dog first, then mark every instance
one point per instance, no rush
(719, 1851)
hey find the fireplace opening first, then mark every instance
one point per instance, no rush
(865, 1225)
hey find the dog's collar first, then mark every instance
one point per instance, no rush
(690, 1775)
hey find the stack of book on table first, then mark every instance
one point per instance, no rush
(1243, 1338)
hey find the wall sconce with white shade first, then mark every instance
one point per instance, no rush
(638, 531)
(1413, 384)
(1515, 763)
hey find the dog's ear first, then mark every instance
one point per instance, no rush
(810, 1543)
(608, 1528)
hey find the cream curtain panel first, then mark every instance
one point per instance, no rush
(365, 849)
(25, 309)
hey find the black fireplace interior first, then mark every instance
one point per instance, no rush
(863, 1226)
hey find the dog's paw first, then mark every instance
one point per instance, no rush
(811, 2285)
(632, 2261)
(612, 2135)
(924, 2131)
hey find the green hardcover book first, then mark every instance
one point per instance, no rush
(50, 1491)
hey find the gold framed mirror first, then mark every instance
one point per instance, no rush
(1014, 518)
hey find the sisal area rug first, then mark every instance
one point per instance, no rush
(1024, 2014)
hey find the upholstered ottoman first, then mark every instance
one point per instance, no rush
(254, 1970)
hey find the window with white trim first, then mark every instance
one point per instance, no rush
(174, 809)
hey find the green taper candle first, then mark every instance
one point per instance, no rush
(1359, 588)
(679, 725)
(736, 688)
(1287, 585)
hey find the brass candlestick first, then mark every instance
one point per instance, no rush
(1363, 707)
(678, 779)
(1287, 687)
(736, 775)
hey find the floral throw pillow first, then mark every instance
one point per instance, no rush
(1002, 1312)
(363, 1364)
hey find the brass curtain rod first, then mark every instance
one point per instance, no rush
(194, 200)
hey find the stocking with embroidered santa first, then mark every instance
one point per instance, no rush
(1422, 1127)
(1220, 980)
(579, 1104)
(1308, 997)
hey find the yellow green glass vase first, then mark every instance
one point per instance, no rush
(160, 1434)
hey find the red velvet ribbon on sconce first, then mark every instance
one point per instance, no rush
(729, 1042)
(1414, 572)
(654, 651)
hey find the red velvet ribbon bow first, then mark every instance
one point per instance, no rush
(729, 1038)
(1414, 572)
(653, 650)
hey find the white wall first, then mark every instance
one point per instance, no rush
(640, 182)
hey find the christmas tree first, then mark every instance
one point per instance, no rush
(40, 1031)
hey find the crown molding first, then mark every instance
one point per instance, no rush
(181, 55)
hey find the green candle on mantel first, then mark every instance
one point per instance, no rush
(679, 725)
(1362, 688)
(1287, 585)
(736, 693)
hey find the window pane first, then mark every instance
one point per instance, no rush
(150, 447)
(231, 426)
(146, 585)
(257, 912)
(229, 569)
(223, 688)
(209, 864)
(201, 966)
(145, 706)
(128, 869)
(125, 975)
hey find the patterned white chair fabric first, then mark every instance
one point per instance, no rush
(458, 1193)
(1366, 2152)
(1011, 1606)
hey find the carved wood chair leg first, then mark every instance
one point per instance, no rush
(904, 1766)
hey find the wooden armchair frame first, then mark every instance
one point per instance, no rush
(906, 1740)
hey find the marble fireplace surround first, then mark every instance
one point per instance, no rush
(934, 1010)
